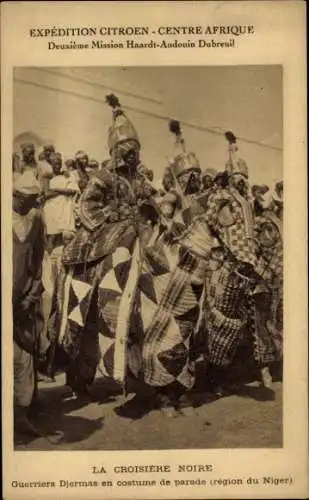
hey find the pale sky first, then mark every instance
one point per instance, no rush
(66, 105)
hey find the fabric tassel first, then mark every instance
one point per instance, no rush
(114, 103)
(174, 127)
(230, 137)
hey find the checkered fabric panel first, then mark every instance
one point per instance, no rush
(224, 335)
(113, 278)
(232, 296)
(271, 260)
(263, 345)
(168, 325)
(237, 237)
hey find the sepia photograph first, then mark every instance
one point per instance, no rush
(147, 287)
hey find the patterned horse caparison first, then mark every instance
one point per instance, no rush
(128, 308)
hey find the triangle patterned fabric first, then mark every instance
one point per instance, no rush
(169, 311)
(94, 297)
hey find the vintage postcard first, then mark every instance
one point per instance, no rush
(154, 270)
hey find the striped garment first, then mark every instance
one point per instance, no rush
(169, 318)
(238, 237)
(268, 230)
(109, 207)
(226, 316)
(232, 312)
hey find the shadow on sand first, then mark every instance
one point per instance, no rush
(60, 429)
(52, 415)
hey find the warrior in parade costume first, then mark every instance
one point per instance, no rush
(181, 182)
(142, 273)
(231, 309)
(268, 232)
(171, 286)
(103, 262)
(185, 167)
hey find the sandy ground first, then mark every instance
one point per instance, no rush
(252, 418)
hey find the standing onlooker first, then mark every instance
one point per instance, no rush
(45, 168)
(28, 249)
(28, 159)
(58, 207)
(58, 213)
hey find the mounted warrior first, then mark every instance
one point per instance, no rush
(232, 290)
(172, 282)
(103, 261)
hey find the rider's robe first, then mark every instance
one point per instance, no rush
(268, 230)
(171, 289)
(129, 306)
(232, 312)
